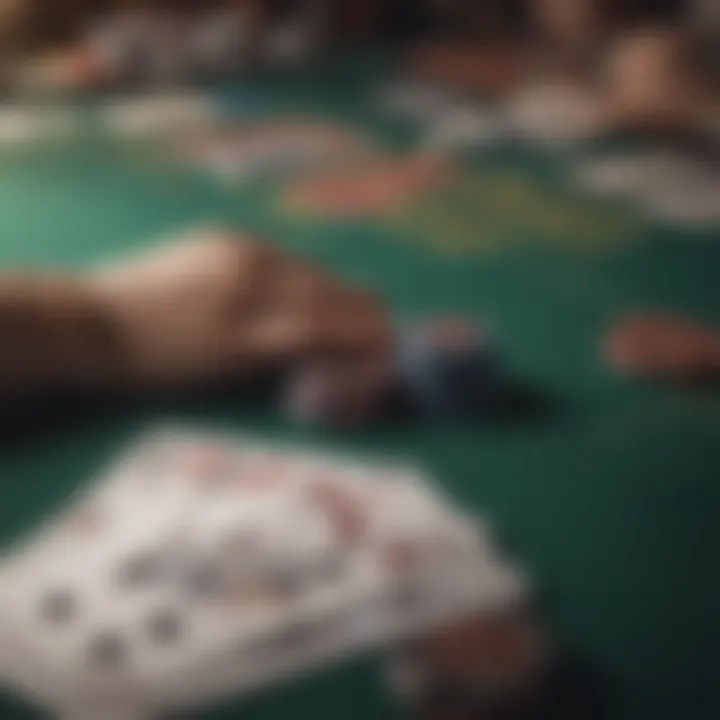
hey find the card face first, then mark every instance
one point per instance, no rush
(201, 566)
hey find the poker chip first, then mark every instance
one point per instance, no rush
(370, 188)
(662, 346)
(447, 366)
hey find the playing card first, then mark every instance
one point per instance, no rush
(554, 114)
(28, 125)
(683, 191)
(157, 114)
(260, 150)
(464, 127)
(201, 566)
(621, 176)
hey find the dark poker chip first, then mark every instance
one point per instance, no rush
(447, 367)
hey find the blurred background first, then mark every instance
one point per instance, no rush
(546, 170)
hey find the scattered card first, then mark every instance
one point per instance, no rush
(555, 114)
(22, 126)
(464, 127)
(262, 150)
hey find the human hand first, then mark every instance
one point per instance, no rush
(216, 303)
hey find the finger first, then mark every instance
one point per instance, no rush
(329, 333)
(257, 265)
(354, 324)
(305, 288)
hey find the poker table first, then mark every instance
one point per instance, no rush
(609, 497)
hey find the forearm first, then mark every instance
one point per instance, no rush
(53, 331)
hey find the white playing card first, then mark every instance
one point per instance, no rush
(464, 127)
(555, 114)
(666, 186)
(682, 191)
(27, 125)
(622, 176)
(203, 566)
(158, 114)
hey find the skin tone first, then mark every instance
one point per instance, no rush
(208, 306)
(643, 74)
(572, 27)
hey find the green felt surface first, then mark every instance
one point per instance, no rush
(612, 501)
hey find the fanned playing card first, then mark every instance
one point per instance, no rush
(200, 567)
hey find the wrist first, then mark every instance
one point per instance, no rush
(55, 331)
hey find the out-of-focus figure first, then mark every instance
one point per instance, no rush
(13, 26)
(13, 23)
(652, 65)
(644, 57)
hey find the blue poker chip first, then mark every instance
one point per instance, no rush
(447, 367)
